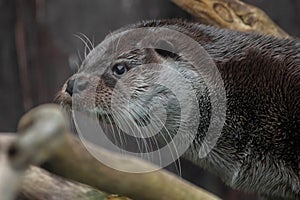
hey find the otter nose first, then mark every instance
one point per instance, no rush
(76, 85)
(70, 86)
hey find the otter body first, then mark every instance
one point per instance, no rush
(259, 147)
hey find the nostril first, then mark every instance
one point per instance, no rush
(70, 87)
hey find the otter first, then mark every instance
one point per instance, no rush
(258, 149)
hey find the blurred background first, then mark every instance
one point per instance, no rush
(38, 52)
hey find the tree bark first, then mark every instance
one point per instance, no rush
(73, 161)
(43, 134)
(52, 187)
(232, 14)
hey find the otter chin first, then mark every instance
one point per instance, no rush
(163, 84)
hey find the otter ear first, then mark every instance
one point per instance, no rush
(165, 49)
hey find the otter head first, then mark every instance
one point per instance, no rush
(141, 82)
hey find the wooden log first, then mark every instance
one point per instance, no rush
(71, 160)
(42, 133)
(30, 147)
(39, 184)
(9, 177)
(232, 14)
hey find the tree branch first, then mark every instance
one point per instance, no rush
(52, 187)
(232, 14)
(75, 162)
(44, 133)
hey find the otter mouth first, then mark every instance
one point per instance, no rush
(126, 129)
(97, 112)
(65, 100)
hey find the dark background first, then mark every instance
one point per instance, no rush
(38, 51)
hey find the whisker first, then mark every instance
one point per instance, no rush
(93, 42)
(175, 147)
(79, 55)
(121, 135)
(143, 119)
(88, 40)
(85, 43)
(111, 125)
(117, 45)
(153, 140)
(127, 121)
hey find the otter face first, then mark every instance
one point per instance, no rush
(138, 77)
(124, 76)
(127, 90)
(149, 84)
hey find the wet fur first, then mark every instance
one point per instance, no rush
(259, 150)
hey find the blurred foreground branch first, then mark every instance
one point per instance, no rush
(44, 133)
(232, 14)
(40, 136)
(38, 184)
(75, 162)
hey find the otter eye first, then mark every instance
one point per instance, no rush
(119, 69)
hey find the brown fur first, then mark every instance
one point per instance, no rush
(259, 150)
